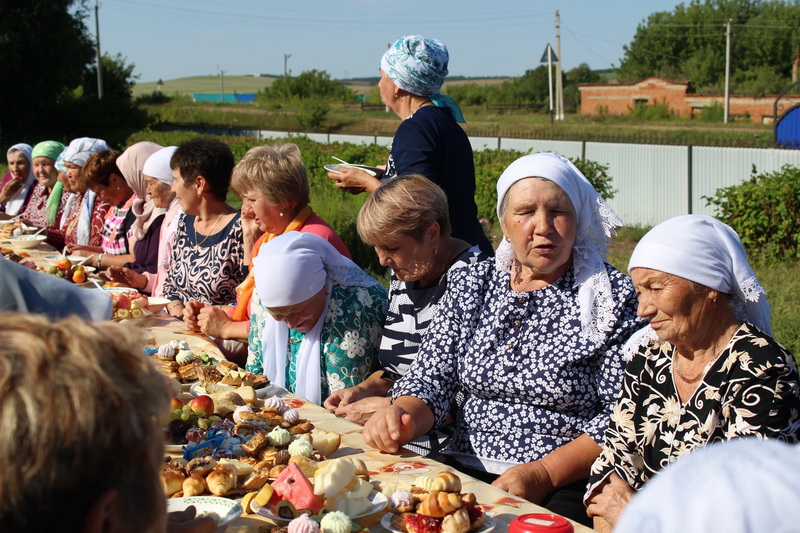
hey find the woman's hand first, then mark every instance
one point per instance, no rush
(212, 321)
(389, 428)
(186, 521)
(354, 180)
(609, 500)
(126, 276)
(530, 481)
(340, 398)
(362, 410)
(190, 313)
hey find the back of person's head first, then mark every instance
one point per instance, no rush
(277, 172)
(403, 206)
(99, 167)
(210, 158)
(80, 408)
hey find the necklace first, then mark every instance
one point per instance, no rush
(210, 233)
(684, 378)
(424, 102)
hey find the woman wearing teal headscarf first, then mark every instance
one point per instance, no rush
(47, 200)
(429, 141)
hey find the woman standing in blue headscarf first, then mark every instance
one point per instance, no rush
(429, 141)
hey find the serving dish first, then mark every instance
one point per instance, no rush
(227, 510)
(377, 499)
(26, 242)
(488, 524)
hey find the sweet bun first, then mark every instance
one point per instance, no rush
(457, 522)
(194, 485)
(325, 442)
(439, 504)
(446, 482)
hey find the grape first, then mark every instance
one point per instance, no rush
(175, 414)
(52, 270)
(202, 423)
(185, 416)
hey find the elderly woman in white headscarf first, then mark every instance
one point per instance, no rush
(17, 186)
(705, 370)
(533, 339)
(157, 177)
(429, 141)
(325, 315)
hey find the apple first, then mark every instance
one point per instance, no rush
(202, 403)
(175, 403)
(64, 263)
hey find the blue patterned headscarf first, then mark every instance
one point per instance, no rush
(418, 65)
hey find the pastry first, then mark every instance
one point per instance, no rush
(438, 504)
(401, 501)
(446, 482)
(171, 480)
(201, 466)
(256, 480)
(194, 485)
(221, 480)
(256, 443)
(457, 522)
(325, 442)
(399, 521)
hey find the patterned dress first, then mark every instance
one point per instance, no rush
(752, 389)
(115, 230)
(532, 381)
(99, 211)
(349, 338)
(207, 272)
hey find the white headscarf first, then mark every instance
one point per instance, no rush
(131, 163)
(740, 486)
(157, 165)
(595, 224)
(81, 149)
(15, 204)
(290, 269)
(702, 249)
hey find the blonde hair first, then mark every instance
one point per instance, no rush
(403, 206)
(276, 171)
(80, 407)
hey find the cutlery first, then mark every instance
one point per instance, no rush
(96, 284)
(41, 230)
(345, 163)
(64, 252)
(82, 261)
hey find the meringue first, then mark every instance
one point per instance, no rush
(303, 524)
(275, 403)
(300, 447)
(335, 522)
(279, 436)
(291, 416)
(185, 356)
(241, 409)
(167, 351)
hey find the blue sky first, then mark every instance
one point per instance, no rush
(176, 38)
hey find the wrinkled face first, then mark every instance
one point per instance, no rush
(73, 172)
(18, 165)
(409, 259)
(675, 306)
(159, 191)
(541, 223)
(45, 171)
(302, 316)
(266, 214)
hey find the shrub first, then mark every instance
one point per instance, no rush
(765, 212)
(713, 113)
(654, 111)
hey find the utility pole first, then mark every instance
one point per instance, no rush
(222, 86)
(97, 49)
(559, 84)
(285, 63)
(727, 70)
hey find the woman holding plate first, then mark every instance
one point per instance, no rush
(429, 141)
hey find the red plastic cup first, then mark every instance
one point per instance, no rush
(540, 523)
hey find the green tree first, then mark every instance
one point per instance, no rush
(689, 44)
(44, 47)
(309, 84)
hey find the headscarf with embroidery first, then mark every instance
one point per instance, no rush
(290, 269)
(78, 153)
(702, 249)
(131, 164)
(418, 65)
(595, 224)
(17, 202)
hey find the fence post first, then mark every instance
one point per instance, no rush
(689, 177)
(583, 150)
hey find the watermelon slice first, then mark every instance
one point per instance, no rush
(293, 486)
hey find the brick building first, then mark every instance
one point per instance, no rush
(619, 99)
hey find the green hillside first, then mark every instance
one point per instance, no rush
(206, 84)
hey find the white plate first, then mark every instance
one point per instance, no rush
(178, 449)
(488, 524)
(270, 390)
(377, 499)
(157, 304)
(373, 171)
(57, 257)
(27, 241)
(227, 510)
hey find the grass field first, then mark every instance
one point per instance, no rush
(205, 84)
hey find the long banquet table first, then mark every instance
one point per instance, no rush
(394, 469)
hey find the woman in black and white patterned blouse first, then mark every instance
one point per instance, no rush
(533, 339)
(406, 220)
(705, 370)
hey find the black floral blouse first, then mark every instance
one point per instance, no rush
(532, 381)
(752, 389)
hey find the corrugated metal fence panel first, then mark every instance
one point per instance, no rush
(266, 134)
(714, 168)
(384, 141)
(570, 149)
(650, 180)
(484, 143)
(355, 139)
(318, 137)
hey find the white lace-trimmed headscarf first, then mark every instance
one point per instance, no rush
(288, 270)
(702, 249)
(16, 203)
(595, 224)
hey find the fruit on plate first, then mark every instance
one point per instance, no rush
(130, 304)
(293, 486)
(64, 263)
(202, 405)
(175, 403)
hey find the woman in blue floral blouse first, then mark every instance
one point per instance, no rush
(534, 339)
(324, 321)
